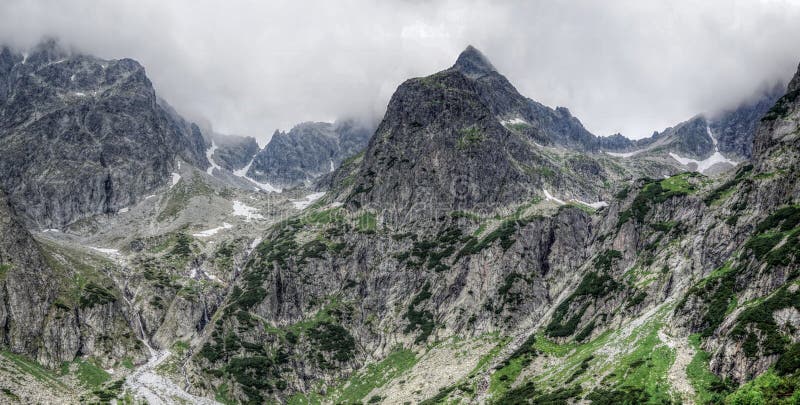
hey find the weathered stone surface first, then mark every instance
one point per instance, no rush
(81, 136)
(308, 151)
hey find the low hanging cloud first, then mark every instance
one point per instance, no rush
(249, 67)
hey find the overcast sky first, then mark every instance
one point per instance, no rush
(250, 67)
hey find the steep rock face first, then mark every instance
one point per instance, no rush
(81, 136)
(733, 132)
(728, 253)
(369, 291)
(464, 139)
(441, 148)
(234, 152)
(28, 290)
(544, 124)
(46, 316)
(776, 143)
(736, 129)
(346, 285)
(688, 138)
(766, 269)
(308, 151)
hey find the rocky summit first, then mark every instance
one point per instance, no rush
(81, 136)
(476, 246)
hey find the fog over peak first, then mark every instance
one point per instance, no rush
(251, 67)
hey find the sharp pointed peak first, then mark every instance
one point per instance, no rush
(473, 63)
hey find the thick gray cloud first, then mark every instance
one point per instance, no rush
(252, 66)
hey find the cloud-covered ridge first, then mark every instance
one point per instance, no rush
(251, 67)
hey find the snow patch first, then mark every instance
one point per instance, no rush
(624, 154)
(212, 277)
(243, 171)
(513, 121)
(175, 179)
(51, 230)
(265, 186)
(212, 231)
(209, 153)
(707, 163)
(242, 210)
(123, 210)
(80, 94)
(332, 166)
(595, 205)
(550, 197)
(307, 200)
(254, 243)
(110, 252)
(149, 196)
(261, 186)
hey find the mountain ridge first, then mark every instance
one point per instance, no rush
(116, 141)
(481, 249)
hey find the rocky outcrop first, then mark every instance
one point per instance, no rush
(48, 315)
(733, 132)
(308, 151)
(545, 125)
(28, 288)
(464, 139)
(735, 129)
(81, 136)
(232, 152)
(440, 148)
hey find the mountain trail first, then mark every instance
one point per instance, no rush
(677, 376)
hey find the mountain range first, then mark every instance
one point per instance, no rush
(475, 246)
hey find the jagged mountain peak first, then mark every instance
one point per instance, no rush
(473, 63)
(307, 151)
(48, 50)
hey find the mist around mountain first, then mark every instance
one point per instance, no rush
(475, 247)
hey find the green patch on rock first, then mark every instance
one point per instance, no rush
(94, 294)
(34, 369)
(782, 106)
(324, 217)
(360, 384)
(656, 192)
(431, 252)
(509, 369)
(767, 388)
(759, 317)
(4, 269)
(421, 320)
(469, 137)
(90, 375)
(504, 233)
(777, 238)
(718, 293)
(645, 368)
(727, 188)
(566, 317)
(367, 223)
(708, 387)
(333, 339)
